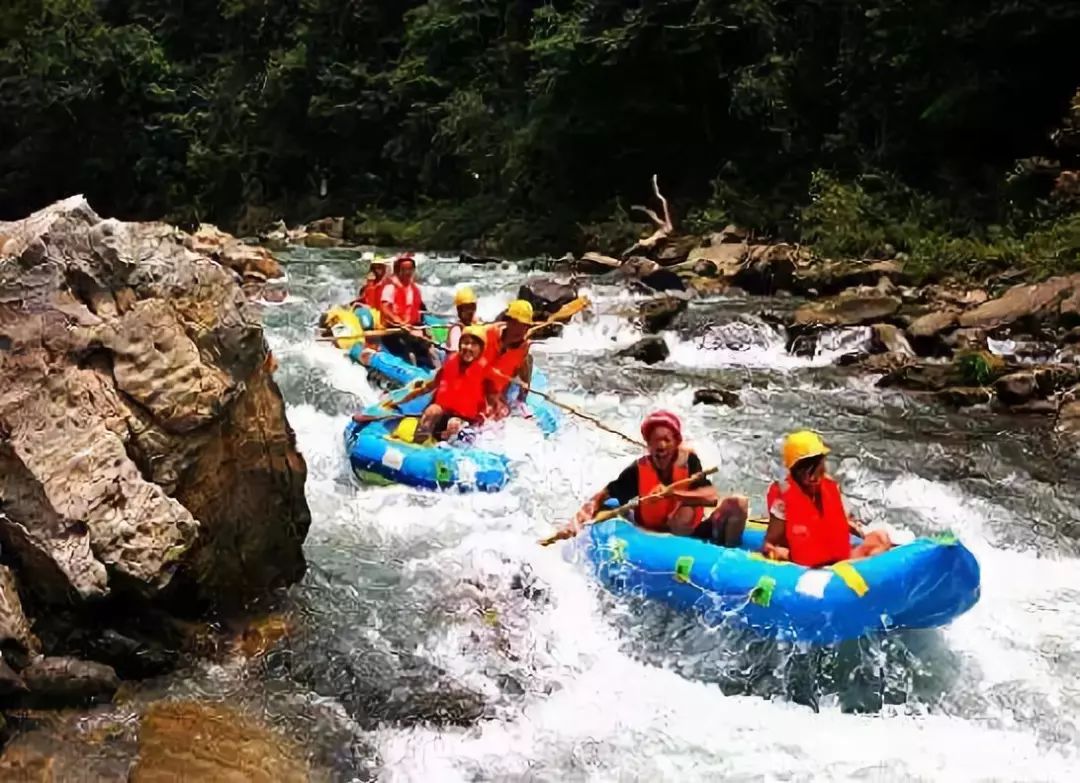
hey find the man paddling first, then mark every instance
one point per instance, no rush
(807, 521)
(463, 393)
(683, 511)
(370, 293)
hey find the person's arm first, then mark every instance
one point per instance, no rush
(453, 337)
(524, 373)
(416, 391)
(700, 492)
(775, 546)
(389, 309)
(623, 489)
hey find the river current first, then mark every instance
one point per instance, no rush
(435, 641)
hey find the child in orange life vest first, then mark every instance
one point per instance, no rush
(462, 391)
(370, 293)
(807, 521)
(402, 306)
(507, 353)
(683, 512)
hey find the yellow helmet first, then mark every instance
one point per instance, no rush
(521, 311)
(406, 429)
(464, 296)
(477, 331)
(802, 445)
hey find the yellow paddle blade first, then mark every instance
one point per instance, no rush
(570, 309)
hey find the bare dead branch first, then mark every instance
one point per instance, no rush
(664, 226)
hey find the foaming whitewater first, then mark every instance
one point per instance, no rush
(443, 641)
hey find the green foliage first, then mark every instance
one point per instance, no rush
(524, 121)
(979, 368)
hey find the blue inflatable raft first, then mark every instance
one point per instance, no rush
(375, 455)
(923, 584)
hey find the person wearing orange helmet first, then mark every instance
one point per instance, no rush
(507, 352)
(462, 391)
(807, 521)
(682, 512)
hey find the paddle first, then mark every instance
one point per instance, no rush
(368, 418)
(606, 514)
(567, 311)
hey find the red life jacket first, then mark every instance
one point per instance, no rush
(461, 389)
(406, 309)
(654, 514)
(503, 366)
(814, 537)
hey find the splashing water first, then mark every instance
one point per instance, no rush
(443, 644)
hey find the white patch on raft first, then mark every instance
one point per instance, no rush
(393, 459)
(466, 470)
(813, 583)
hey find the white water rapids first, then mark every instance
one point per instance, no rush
(431, 601)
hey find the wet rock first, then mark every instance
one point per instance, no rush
(876, 363)
(727, 258)
(596, 264)
(1036, 407)
(469, 258)
(226, 249)
(965, 396)
(263, 634)
(546, 295)
(973, 369)
(59, 680)
(725, 397)
(333, 227)
(143, 442)
(674, 250)
(663, 280)
(190, 740)
(767, 269)
(1068, 415)
(705, 286)
(318, 240)
(849, 309)
(10, 682)
(965, 340)
(650, 350)
(658, 313)
(831, 277)
(1072, 336)
(926, 330)
(886, 338)
(1029, 307)
(1019, 387)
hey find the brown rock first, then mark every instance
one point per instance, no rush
(319, 240)
(649, 350)
(831, 277)
(848, 309)
(595, 264)
(658, 313)
(1018, 388)
(226, 249)
(674, 250)
(195, 741)
(965, 396)
(263, 634)
(886, 338)
(70, 681)
(767, 269)
(725, 397)
(726, 257)
(141, 435)
(1026, 304)
(933, 324)
(333, 227)
(14, 627)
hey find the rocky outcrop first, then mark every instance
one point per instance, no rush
(143, 443)
(248, 261)
(650, 350)
(659, 313)
(825, 278)
(852, 308)
(546, 295)
(927, 330)
(725, 397)
(332, 227)
(887, 338)
(1029, 308)
(67, 681)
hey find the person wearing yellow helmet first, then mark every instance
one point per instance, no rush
(462, 390)
(465, 303)
(370, 293)
(807, 521)
(507, 352)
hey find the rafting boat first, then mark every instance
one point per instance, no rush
(376, 455)
(922, 584)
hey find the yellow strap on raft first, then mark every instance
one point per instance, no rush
(852, 578)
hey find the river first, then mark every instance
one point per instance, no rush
(435, 641)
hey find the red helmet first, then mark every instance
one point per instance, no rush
(662, 418)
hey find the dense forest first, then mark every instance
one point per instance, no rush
(944, 129)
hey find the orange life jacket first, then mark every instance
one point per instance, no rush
(406, 300)
(654, 514)
(461, 389)
(814, 537)
(503, 366)
(371, 293)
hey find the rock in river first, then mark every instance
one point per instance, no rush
(851, 308)
(716, 397)
(143, 441)
(650, 350)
